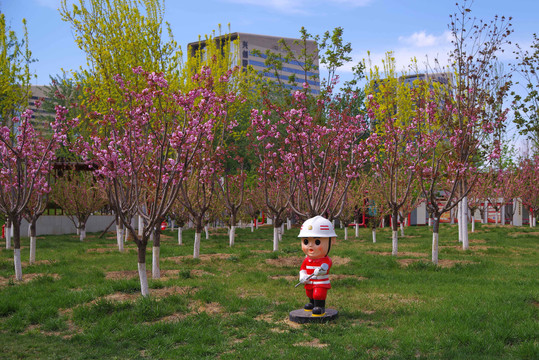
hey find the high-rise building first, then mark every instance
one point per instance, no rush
(251, 51)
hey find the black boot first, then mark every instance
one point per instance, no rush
(309, 306)
(319, 308)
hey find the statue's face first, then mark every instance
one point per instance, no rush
(315, 247)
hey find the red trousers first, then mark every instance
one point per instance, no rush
(317, 293)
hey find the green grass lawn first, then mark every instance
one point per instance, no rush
(81, 300)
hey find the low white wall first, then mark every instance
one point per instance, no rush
(59, 225)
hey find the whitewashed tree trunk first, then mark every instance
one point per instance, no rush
(172, 225)
(257, 224)
(8, 237)
(144, 289)
(206, 230)
(534, 221)
(125, 235)
(180, 235)
(502, 210)
(374, 235)
(288, 224)
(473, 224)
(196, 247)
(402, 229)
(30, 230)
(11, 229)
(357, 230)
(140, 225)
(156, 272)
(231, 235)
(459, 219)
(430, 221)
(383, 223)
(452, 215)
(465, 242)
(17, 262)
(345, 233)
(32, 250)
(395, 243)
(252, 226)
(120, 238)
(275, 239)
(435, 248)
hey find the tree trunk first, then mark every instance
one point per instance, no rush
(502, 210)
(374, 235)
(435, 248)
(345, 233)
(252, 226)
(156, 272)
(473, 224)
(172, 225)
(7, 233)
(144, 289)
(16, 225)
(465, 242)
(196, 247)
(206, 230)
(402, 229)
(231, 235)
(357, 230)
(275, 238)
(180, 235)
(288, 224)
(395, 237)
(82, 231)
(33, 240)
(120, 237)
(140, 225)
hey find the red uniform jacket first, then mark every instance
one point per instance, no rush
(321, 281)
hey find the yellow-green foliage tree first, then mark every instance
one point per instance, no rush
(15, 59)
(117, 36)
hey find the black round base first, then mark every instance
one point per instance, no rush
(301, 316)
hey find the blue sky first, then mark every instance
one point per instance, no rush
(409, 28)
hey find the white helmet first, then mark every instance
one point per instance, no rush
(317, 227)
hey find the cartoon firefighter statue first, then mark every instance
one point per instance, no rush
(316, 234)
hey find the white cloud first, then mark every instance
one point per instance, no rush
(422, 39)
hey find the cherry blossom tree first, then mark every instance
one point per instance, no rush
(25, 156)
(79, 195)
(159, 138)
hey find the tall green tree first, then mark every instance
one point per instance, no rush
(15, 76)
(117, 36)
(526, 103)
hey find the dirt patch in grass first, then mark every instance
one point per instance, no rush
(296, 261)
(35, 263)
(26, 278)
(400, 253)
(515, 234)
(203, 257)
(444, 263)
(212, 308)
(109, 250)
(261, 251)
(285, 262)
(331, 277)
(200, 273)
(131, 274)
(315, 343)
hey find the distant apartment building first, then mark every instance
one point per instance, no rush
(41, 117)
(251, 51)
